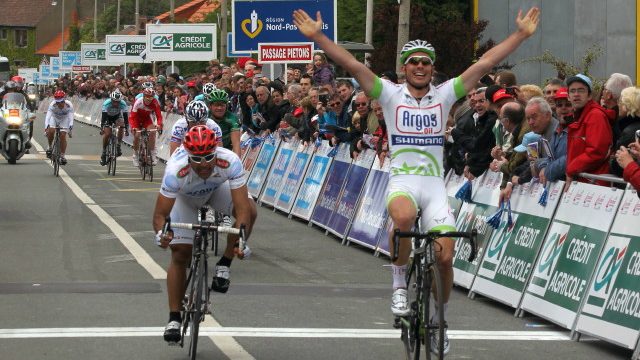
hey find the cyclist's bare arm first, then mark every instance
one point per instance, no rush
(312, 30)
(526, 27)
(242, 207)
(160, 213)
(235, 142)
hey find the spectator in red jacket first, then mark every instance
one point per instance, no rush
(590, 137)
(625, 158)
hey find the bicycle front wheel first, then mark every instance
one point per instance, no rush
(411, 324)
(112, 155)
(55, 154)
(198, 308)
(433, 328)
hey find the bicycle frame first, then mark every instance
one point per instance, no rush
(112, 148)
(145, 162)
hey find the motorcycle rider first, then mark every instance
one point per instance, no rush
(114, 110)
(59, 113)
(12, 87)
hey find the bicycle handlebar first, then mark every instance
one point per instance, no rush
(220, 229)
(432, 235)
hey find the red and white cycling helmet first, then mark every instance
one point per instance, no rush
(59, 95)
(200, 140)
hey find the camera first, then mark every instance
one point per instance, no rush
(638, 135)
(511, 90)
(323, 99)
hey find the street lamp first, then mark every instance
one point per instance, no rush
(54, 3)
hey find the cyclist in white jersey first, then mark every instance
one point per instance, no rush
(199, 173)
(416, 115)
(59, 114)
(196, 113)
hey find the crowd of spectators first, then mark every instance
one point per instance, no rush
(554, 132)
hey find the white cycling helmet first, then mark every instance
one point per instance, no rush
(196, 111)
(208, 88)
(414, 46)
(116, 95)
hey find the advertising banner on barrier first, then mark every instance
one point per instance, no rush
(383, 239)
(261, 168)
(612, 308)
(346, 206)
(570, 252)
(511, 251)
(278, 172)
(312, 184)
(126, 48)
(328, 198)
(294, 177)
(250, 157)
(270, 21)
(369, 221)
(181, 42)
(473, 216)
(453, 184)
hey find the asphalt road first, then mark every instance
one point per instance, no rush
(80, 278)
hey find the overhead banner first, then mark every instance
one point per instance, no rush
(270, 21)
(181, 42)
(278, 172)
(312, 184)
(570, 253)
(281, 53)
(258, 175)
(94, 54)
(511, 251)
(68, 59)
(369, 220)
(612, 309)
(293, 180)
(346, 205)
(473, 216)
(126, 48)
(328, 199)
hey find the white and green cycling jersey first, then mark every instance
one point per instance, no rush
(417, 128)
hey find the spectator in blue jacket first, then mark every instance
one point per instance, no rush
(552, 165)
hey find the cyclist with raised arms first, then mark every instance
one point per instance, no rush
(114, 110)
(199, 173)
(60, 113)
(416, 115)
(141, 111)
(218, 105)
(196, 113)
(207, 89)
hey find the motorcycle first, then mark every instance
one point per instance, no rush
(15, 123)
(32, 98)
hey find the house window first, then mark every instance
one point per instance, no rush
(21, 38)
(20, 63)
(3, 34)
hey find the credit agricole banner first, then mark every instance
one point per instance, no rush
(183, 42)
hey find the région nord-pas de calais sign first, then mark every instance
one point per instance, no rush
(184, 42)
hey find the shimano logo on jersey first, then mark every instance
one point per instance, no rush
(411, 120)
(199, 192)
(417, 140)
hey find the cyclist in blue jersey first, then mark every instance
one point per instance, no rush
(416, 114)
(114, 110)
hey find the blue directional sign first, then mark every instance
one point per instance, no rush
(69, 59)
(270, 21)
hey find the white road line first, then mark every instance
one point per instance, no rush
(228, 332)
(226, 344)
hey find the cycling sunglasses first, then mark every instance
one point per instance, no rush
(198, 158)
(415, 60)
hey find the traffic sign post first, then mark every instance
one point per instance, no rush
(181, 42)
(255, 22)
(285, 53)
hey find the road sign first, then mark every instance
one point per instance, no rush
(255, 22)
(184, 42)
(230, 53)
(81, 68)
(27, 74)
(69, 59)
(125, 48)
(279, 53)
(55, 64)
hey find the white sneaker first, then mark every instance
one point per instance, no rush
(221, 281)
(135, 160)
(434, 342)
(400, 303)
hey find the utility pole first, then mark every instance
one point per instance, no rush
(137, 17)
(403, 29)
(172, 5)
(118, 18)
(95, 20)
(223, 32)
(368, 32)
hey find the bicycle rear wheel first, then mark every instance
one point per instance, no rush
(149, 164)
(198, 308)
(433, 284)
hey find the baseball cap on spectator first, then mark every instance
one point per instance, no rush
(238, 74)
(581, 78)
(499, 95)
(249, 74)
(527, 139)
(161, 80)
(491, 89)
(191, 84)
(562, 93)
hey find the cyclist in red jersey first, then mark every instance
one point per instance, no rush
(141, 118)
